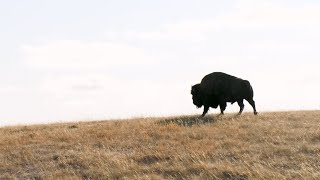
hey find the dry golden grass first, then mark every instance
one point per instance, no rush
(282, 145)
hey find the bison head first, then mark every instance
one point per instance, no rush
(197, 95)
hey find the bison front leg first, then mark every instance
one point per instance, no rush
(205, 110)
(223, 106)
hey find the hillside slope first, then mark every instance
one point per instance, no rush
(268, 146)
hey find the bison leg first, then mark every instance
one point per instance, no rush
(252, 103)
(205, 110)
(241, 105)
(223, 106)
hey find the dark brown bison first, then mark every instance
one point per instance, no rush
(216, 89)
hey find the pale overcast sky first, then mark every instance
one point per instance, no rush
(69, 60)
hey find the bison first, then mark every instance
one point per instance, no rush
(217, 88)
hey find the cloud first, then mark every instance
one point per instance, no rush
(84, 55)
(100, 95)
(185, 31)
(270, 14)
(245, 15)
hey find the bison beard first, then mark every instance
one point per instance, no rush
(216, 89)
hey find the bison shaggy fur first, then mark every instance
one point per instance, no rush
(217, 88)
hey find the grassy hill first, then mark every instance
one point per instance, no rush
(281, 145)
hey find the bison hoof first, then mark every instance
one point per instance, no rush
(255, 113)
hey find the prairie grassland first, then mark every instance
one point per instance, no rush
(281, 145)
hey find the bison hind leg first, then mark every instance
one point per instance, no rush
(241, 105)
(252, 103)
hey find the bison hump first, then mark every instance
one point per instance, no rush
(216, 83)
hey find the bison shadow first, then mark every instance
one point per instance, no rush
(197, 120)
(188, 120)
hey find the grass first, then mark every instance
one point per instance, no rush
(281, 145)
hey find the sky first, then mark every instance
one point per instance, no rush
(77, 60)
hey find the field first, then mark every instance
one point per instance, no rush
(274, 145)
